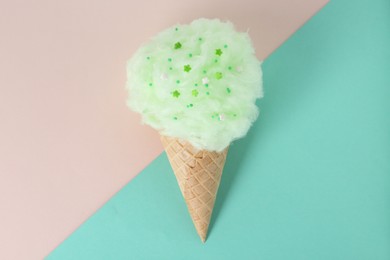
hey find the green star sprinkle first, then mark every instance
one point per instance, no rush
(169, 59)
(206, 85)
(195, 93)
(150, 84)
(187, 68)
(225, 46)
(218, 52)
(228, 90)
(177, 45)
(176, 94)
(207, 93)
(195, 84)
(190, 55)
(218, 75)
(177, 81)
(174, 118)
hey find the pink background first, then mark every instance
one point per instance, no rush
(67, 140)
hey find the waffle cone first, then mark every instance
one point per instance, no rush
(198, 173)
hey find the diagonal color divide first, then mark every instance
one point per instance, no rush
(310, 181)
(67, 141)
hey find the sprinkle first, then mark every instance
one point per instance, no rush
(239, 68)
(206, 85)
(177, 45)
(228, 90)
(187, 68)
(174, 118)
(205, 80)
(218, 75)
(177, 81)
(230, 67)
(164, 76)
(200, 39)
(216, 60)
(195, 84)
(170, 68)
(207, 93)
(195, 93)
(225, 46)
(169, 59)
(176, 94)
(190, 105)
(148, 58)
(234, 114)
(204, 71)
(176, 29)
(221, 117)
(218, 52)
(150, 84)
(190, 55)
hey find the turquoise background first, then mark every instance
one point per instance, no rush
(310, 181)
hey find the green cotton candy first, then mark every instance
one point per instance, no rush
(197, 82)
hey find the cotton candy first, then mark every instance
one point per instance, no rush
(197, 82)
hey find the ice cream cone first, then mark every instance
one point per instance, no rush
(198, 173)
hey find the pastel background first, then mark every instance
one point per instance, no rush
(67, 140)
(311, 180)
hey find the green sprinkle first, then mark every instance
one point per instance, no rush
(176, 94)
(200, 39)
(195, 93)
(176, 29)
(225, 46)
(187, 68)
(177, 81)
(207, 93)
(150, 84)
(218, 52)
(177, 45)
(234, 114)
(169, 59)
(190, 55)
(190, 105)
(230, 67)
(215, 60)
(196, 85)
(228, 90)
(218, 75)
(206, 85)
(204, 71)
(174, 118)
(148, 58)
(170, 68)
